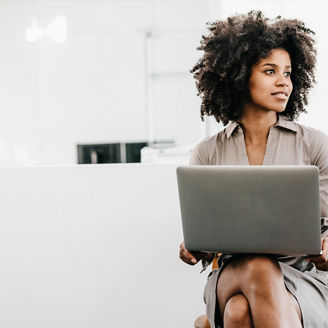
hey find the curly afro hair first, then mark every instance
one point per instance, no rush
(233, 46)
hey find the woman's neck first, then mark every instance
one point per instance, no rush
(256, 125)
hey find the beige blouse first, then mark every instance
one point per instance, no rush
(289, 143)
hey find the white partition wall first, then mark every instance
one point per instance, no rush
(94, 246)
(122, 74)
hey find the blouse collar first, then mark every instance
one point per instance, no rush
(283, 122)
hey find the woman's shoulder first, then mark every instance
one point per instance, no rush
(308, 134)
(315, 136)
(317, 140)
(204, 149)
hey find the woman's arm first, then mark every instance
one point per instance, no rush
(193, 257)
(319, 158)
(199, 156)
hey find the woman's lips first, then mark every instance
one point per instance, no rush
(280, 95)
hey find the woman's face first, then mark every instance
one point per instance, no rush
(270, 84)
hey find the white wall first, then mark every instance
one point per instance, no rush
(97, 86)
(94, 246)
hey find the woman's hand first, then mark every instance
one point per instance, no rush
(321, 261)
(193, 257)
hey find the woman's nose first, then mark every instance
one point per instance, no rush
(282, 81)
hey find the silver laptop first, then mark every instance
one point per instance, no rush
(250, 209)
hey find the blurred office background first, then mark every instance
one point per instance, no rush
(90, 81)
(77, 74)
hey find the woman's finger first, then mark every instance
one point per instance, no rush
(186, 256)
(324, 245)
(189, 257)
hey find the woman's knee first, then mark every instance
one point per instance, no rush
(258, 274)
(250, 275)
(236, 311)
(257, 266)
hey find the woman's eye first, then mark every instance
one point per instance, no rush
(288, 73)
(269, 71)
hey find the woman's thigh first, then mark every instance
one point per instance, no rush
(248, 272)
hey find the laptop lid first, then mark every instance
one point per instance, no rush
(250, 209)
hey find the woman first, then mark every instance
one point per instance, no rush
(256, 74)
